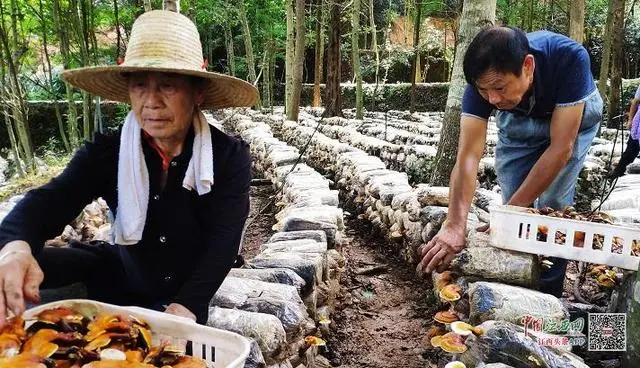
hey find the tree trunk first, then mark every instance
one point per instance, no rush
(416, 56)
(333, 95)
(248, 45)
(272, 72)
(374, 39)
(72, 114)
(147, 5)
(613, 119)
(355, 52)
(296, 89)
(171, 5)
(52, 90)
(79, 27)
(228, 39)
(475, 14)
(10, 132)
(606, 55)
(266, 70)
(576, 20)
(289, 56)
(119, 48)
(317, 71)
(15, 98)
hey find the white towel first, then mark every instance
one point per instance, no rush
(133, 176)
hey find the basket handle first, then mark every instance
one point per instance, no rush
(162, 315)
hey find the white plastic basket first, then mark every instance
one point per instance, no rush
(217, 347)
(513, 228)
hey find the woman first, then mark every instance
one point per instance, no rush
(633, 146)
(176, 230)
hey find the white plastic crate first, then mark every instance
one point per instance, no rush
(219, 348)
(513, 228)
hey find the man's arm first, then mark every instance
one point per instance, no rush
(473, 135)
(451, 239)
(565, 123)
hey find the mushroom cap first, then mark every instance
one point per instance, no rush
(445, 317)
(453, 345)
(461, 328)
(455, 364)
(450, 293)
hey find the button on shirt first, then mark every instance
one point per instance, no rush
(189, 242)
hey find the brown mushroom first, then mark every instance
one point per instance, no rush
(445, 317)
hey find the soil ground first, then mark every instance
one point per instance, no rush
(261, 219)
(382, 318)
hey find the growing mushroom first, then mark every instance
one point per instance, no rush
(455, 364)
(450, 293)
(453, 343)
(445, 317)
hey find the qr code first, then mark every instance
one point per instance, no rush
(607, 332)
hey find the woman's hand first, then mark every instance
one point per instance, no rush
(180, 310)
(20, 279)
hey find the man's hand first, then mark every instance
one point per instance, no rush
(180, 310)
(20, 279)
(442, 249)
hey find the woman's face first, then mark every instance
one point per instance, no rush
(164, 103)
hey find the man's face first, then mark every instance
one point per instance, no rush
(505, 90)
(163, 103)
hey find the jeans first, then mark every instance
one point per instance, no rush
(521, 142)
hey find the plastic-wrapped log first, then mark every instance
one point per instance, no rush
(316, 235)
(309, 266)
(401, 200)
(432, 196)
(494, 301)
(275, 275)
(428, 232)
(295, 246)
(235, 291)
(264, 328)
(484, 198)
(310, 218)
(434, 215)
(311, 198)
(504, 342)
(255, 358)
(499, 265)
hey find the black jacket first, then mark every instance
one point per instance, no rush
(189, 243)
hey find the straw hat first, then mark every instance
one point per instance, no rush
(163, 41)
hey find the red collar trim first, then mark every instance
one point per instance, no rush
(165, 159)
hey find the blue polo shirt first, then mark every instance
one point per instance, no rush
(562, 77)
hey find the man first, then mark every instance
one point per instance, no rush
(633, 146)
(176, 230)
(549, 111)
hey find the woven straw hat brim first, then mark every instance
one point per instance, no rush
(108, 82)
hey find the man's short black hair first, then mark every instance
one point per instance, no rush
(501, 49)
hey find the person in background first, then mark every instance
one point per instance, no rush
(548, 112)
(633, 146)
(178, 187)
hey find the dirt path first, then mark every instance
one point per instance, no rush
(381, 319)
(258, 228)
